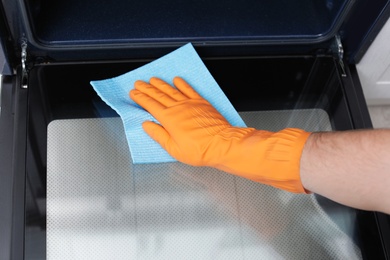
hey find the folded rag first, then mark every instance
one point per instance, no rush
(183, 62)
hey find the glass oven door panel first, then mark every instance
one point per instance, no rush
(85, 198)
(100, 205)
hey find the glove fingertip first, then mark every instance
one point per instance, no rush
(133, 93)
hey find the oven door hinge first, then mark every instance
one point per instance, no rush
(24, 79)
(338, 50)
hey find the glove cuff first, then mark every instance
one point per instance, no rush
(281, 159)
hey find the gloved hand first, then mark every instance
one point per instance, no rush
(195, 133)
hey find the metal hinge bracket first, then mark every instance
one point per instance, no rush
(340, 55)
(24, 79)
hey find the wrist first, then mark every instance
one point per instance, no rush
(267, 157)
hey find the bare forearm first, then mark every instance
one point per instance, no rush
(351, 167)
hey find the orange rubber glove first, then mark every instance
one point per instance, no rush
(194, 132)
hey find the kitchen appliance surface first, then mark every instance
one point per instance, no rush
(67, 184)
(100, 205)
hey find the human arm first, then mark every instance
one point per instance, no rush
(349, 167)
(330, 164)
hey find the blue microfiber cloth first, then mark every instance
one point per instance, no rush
(183, 62)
